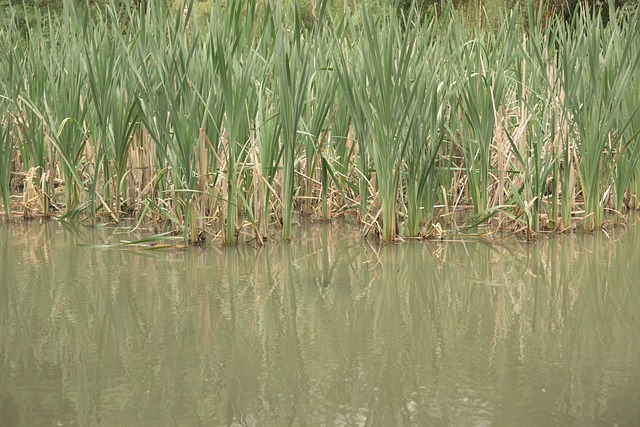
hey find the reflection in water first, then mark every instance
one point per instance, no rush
(328, 330)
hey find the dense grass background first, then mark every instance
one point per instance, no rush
(227, 122)
(26, 10)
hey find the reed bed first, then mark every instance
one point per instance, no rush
(230, 126)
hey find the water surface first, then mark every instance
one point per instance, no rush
(326, 330)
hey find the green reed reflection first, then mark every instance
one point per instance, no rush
(327, 330)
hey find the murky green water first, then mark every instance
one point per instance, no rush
(327, 330)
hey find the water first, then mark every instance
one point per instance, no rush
(327, 330)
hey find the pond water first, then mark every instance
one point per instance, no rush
(327, 330)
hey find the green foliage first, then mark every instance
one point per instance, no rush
(265, 109)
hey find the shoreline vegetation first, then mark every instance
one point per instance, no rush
(415, 125)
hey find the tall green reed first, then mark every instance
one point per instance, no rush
(235, 62)
(533, 138)
(384, 91)
(36, 150)
(6, 156)
(174, 117)
(291, 81)
(113, 117)
(626, 153)
(8, 93)
(484, 67)
(322, 85)
(604, 70)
